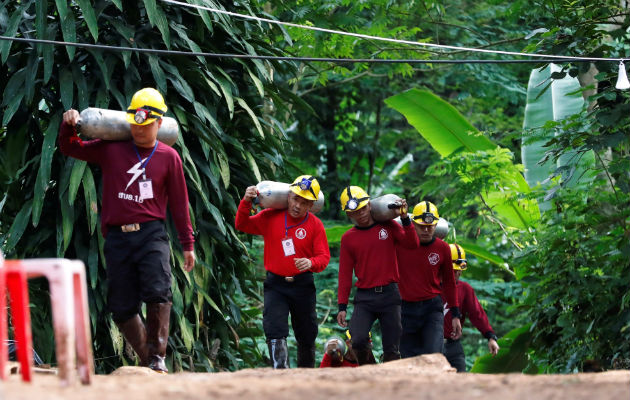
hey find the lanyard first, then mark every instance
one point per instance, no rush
(286, 228)
(143, 165)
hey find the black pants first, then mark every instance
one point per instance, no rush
(454, 353)
(138, 269)
(422, 327)
(382, 303)
(296, 298)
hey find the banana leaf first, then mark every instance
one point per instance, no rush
(448, 131)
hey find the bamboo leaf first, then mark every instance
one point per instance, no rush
(90, 17)
(62, 8)
(98, 57)
(227, 93)
(253, 165)
(158, 18)
(43, 173)
(158, 73)
(41, 8)
(93, 262)
(48, 55)
(257, 82)
(76, 176)
(225, 169)
(253, 116)
(68, 30)
(17, 227)
(11, 30)
(82, 90)
(66, 88)
(118, 4)
(91, 205)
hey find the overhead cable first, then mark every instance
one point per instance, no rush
(391, 40)
(290, 58)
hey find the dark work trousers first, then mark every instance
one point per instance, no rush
(422, 327)
(382, 303)
(296, 298)
(138, 269)
(454, 352)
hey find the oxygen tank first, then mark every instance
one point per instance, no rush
(385, 208)
(99, 123)
(273, 194)
(441, 229)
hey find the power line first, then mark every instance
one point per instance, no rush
(290, 58)
(391, 40)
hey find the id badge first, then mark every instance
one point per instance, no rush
(287, 246)
(146, 189)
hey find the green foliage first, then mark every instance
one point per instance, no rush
(229, 139)
(449, 132)
(576, 280)
(512, 356)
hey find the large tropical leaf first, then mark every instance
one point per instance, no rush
(448, 131)
(512, 356)
(548, 99)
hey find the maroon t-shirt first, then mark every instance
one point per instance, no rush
(422, 269)
(371, 254)
(122, 203)
(468, 306)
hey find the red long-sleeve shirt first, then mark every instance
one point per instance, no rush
(327, 362)
(468, 306)
(308, 234)
(371, 254)
(422, 269)
(121, 203)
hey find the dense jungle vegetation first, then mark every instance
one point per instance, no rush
(539, 199)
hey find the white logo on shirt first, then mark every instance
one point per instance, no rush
(434, 258)
(382, 234)
(136, 171)
(300, 233)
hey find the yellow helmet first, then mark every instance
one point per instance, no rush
(459, 257)
(305, 186)
(147, 105)
(425, 213)
(353, 198)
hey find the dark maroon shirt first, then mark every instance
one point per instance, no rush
(121, 203)
(469, 307)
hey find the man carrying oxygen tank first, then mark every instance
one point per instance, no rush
(470, 307)
(295, 247)
(421, 271)
(369, 250)
(140, 178)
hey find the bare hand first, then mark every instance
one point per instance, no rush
(341, 319)
(302, 264)
(493, 346)
(71, 117)
(403, 208)
(250, 193)
(457, 329)
(189, 260)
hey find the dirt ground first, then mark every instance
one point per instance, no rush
(425, 377)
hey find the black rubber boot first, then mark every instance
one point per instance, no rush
(391, 356)
(278, 353)
(364, 356)
(306, 356)
(158, 315)
(135, 334)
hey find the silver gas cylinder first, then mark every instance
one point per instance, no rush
(441, 229)
(272, 194)
(386, 207)
(99, 123)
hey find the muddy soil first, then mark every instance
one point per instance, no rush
(425, 377)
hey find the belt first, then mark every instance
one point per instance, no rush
(289, 279)
(132, 227)
(420, 301)
(449, 341)
(380, 289)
